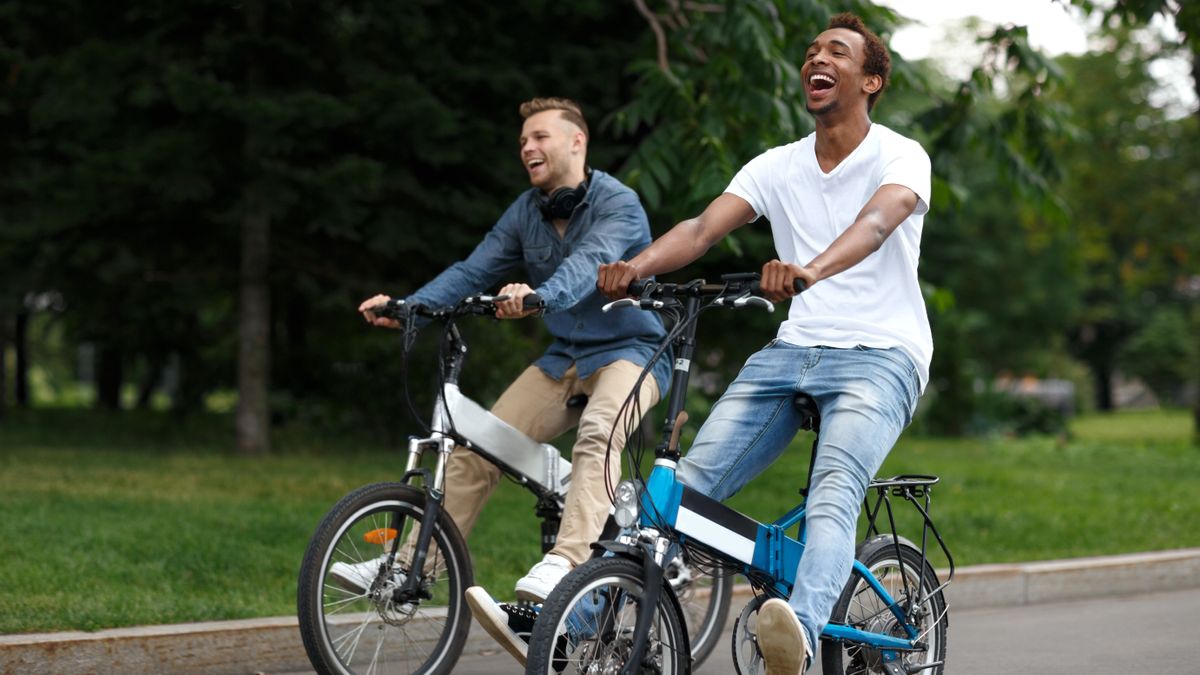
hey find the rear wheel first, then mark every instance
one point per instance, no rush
(587, 624)
(353, 617)
(899, 569)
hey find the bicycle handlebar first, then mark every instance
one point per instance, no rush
(734, 290)
(398, 309)
(746, 282)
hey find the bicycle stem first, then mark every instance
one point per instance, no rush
(685, 346)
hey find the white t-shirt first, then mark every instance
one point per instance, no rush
(878, 302)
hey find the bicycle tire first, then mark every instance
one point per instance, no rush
(346, 632)
(587, 623)
(858, 606)
(705, 600)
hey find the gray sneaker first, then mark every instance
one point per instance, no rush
(542, 578)
(781, 639)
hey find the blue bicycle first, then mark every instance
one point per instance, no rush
(616, 614)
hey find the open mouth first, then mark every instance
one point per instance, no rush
(819, 82)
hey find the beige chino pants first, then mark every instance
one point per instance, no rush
(536, 405)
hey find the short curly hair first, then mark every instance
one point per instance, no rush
(878, 59)
(570, 110)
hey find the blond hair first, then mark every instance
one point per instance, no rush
(570, 110)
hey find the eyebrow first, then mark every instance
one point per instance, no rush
(840, 43)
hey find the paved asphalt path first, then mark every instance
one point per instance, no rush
(1155, 633)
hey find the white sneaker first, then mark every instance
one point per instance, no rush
(509, 625)
(358, 577)
(779, 636)
(542, 578)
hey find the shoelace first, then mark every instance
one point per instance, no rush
(520, 618)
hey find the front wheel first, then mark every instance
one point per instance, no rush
(899, 569)
(587, 624)
(354, 616)
(704, 599)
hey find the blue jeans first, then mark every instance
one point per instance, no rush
(866, 398)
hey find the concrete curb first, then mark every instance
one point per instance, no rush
(273, 644)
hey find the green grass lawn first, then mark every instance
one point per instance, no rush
(114, 522)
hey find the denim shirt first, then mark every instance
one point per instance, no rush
(608, 225)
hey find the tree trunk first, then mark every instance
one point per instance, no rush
(3, 364)
(108, 377)
(21, 372)
(1104, 390)
(254, 337)
(154, 371)
(253, 420)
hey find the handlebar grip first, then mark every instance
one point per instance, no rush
(797, 284)
(396, 309)
(638, 286)
(532, 301)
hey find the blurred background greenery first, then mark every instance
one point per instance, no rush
(195, 196)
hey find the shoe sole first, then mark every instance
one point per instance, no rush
(528, 595)
(780, 639)
(495, 622)
(347, 584)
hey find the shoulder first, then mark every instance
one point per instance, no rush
(606, 184)
(892, 143)
(772, 160)
(605, 190)
(787, 151)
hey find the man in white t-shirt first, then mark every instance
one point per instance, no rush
(846, 206)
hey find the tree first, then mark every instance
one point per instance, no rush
(724, 85)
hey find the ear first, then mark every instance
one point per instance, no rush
(872, 84)
(579, 142)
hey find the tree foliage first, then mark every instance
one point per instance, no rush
(376, 143)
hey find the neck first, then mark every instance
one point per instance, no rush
(837, 137)
(573, 178)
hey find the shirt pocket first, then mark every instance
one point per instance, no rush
(539, 261)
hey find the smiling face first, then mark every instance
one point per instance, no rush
(833, 73)
(552, 151)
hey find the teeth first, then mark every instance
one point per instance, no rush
(822, 77)
(535, 162)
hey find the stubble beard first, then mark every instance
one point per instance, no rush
(823, 110)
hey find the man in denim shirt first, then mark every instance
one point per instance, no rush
(556, 235)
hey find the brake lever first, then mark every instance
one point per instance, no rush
(755, 301)
(744, 300)
(623, 302)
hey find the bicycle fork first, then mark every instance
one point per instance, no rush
(414, 585)
(656, 552)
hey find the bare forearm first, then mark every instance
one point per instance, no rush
(682, 244)
(888, 207)
(859, 240)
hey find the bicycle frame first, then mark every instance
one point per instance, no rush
(458, 420)
(764, 550)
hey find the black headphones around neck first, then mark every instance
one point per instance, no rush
(563, 201)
